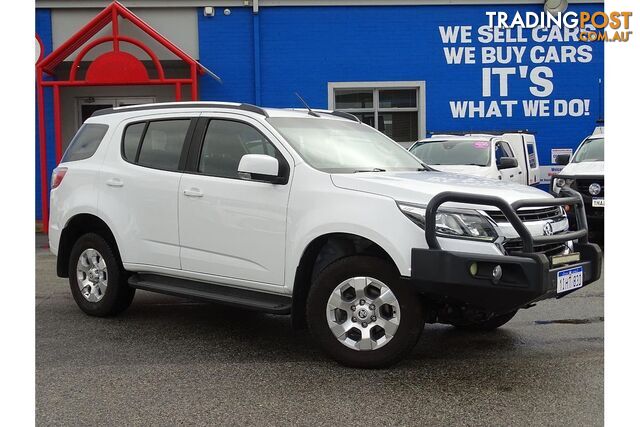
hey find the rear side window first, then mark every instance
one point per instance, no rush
(131, 141)
(85, 143)
(156, 144)
(531, 152)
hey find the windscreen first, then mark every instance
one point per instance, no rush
(453, 152)
(337, 146)
(591, 151)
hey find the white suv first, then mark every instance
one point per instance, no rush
(309, 213)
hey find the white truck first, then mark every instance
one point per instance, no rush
(511, 156)
(584, 172)
(309, 213)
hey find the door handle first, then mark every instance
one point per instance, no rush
(193, 192)
(115, 182)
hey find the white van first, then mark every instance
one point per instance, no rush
(507, 157)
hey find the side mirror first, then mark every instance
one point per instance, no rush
(260, 167)
(563, 159)
(508, 163)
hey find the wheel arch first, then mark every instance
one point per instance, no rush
(322, 251)
(78, 225)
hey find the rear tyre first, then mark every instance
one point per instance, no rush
(96, 277)
(487, 325)
(362, 314)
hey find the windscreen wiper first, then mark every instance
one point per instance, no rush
(370, 170)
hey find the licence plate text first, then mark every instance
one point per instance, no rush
(569, 279)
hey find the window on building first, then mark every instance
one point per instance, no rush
(162, 144)
(393, 108)
(85, 143)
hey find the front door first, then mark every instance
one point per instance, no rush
(229, 227)
(503, 149)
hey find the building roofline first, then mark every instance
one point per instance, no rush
(78, 4)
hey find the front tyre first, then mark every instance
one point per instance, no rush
(97, 280)
(361, 313)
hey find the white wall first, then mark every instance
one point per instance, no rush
(179, 25)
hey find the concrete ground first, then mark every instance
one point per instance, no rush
(169, 361)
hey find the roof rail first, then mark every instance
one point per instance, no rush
(341, 114)
(167, 105)
(344, 115)
(487, 132)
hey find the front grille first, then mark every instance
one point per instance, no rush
(515, 245)
(582, 185)
(529, 214)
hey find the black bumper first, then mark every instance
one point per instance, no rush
(595, 215)
(526, 279)
(527, 276)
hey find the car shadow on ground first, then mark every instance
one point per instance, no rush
(203, 331)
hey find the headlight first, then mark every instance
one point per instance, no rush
(558, 183)
(460, 223)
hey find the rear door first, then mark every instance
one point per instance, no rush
(139, 188)
(232, 228)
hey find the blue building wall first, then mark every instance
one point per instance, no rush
(43, 30)
(265, 58)
(303, 48)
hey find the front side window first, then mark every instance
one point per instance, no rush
(85, 143)
(339, 146)
(393, 111)
(502, 150)
(225, 143)
(591, 151)
(453, 152)
(161, 145)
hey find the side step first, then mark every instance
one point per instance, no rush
(252, 300)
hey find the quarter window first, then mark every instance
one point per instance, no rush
(225, 143)
(533, 160)
(85, 143)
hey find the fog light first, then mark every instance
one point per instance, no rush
(473, 270)
(496, 275)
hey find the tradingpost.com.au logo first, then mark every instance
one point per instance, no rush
(591, 27)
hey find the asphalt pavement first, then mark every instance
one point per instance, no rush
(169, 361)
